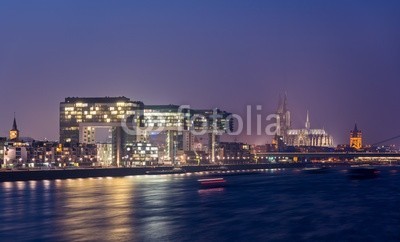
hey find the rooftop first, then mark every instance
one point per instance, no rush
(96, 99)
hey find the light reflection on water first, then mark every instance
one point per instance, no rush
(278, 205)
(97, 208)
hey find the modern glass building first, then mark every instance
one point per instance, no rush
(182, 123)
(80, 117)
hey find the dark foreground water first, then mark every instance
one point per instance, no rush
(278, 205)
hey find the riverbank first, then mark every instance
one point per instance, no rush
(72, 173)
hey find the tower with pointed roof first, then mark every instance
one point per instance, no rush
(283, 117)
(308, 125)
(356, 138)
(298, 137)
(14, 132)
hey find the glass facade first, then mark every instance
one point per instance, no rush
(79, 118)
(95, 111)
(172, 117)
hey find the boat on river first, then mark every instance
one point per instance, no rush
(363, 172)
(211, 183)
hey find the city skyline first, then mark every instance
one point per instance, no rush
(254, 123)
(337, 60)
(211, 120)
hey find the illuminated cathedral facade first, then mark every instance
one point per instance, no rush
(299, 137)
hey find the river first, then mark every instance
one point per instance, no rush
(276, 205)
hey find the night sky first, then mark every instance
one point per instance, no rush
(338, 59)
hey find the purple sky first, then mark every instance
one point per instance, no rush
(338, 59)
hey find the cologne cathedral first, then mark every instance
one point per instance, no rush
(299, 137)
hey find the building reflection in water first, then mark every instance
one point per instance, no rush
(91, 209)
(211, 191)
(98, 209)
(156, 221)
(172, 208)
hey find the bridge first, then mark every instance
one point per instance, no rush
(302, 156)
(326, 155)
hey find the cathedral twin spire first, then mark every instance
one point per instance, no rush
(283, 109)
(299, 137)
(284, 123)
(308, 126)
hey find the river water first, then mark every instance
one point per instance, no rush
(277, 205)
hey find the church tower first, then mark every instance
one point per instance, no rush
(283, 116)
(356, 138)
(308, 125)
(14, 132)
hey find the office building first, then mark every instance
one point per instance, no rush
(132, 122)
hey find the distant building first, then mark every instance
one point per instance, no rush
(235, 151)
(104, 154)
(2, 143)
(299, 137)
(14, 132)
(76, 154)
(42, 153)
(356, 138)
(260, 149)
(278, 144)
(15, 150)
(79, 118)
(15, 153)
(182, 126)
(141, 153)
(387, 149)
